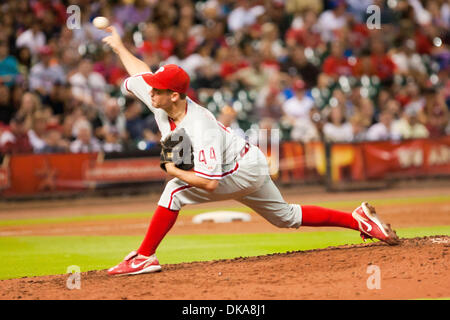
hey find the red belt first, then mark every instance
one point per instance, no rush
(245, 149)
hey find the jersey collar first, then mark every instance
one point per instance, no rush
(173, 126)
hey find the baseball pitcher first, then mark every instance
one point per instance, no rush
(210, 163)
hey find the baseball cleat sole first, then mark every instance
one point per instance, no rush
(149, 269)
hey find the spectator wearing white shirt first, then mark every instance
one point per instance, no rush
(307, 129)
(332, 20)
(300, 104)
(337, 129)
(110, 126)
(409, 127)
(417, 101)
(85, 142)
(36, 134)
(382, 130)
(88, 86)
(244, 15)
(44, 75)
(440, 13)
(33, 38)
(359, 127)
(407, 60)
(358, 8)
(422, 16)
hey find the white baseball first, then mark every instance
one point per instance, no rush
(101, 22)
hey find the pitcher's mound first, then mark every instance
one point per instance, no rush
(417, 268)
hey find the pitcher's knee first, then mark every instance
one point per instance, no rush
(172, 194)
(287, 217)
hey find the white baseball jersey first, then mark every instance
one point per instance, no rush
(219, 154)
(215, 148)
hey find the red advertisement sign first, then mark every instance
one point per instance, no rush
(34, 173)
(124, 170)
(413, 158)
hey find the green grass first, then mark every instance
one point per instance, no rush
(34, 256)
(189, 212)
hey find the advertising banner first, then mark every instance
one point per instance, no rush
(37, 173)
(124, 170)
(414, 158)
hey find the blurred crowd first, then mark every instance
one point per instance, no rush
(328, 70)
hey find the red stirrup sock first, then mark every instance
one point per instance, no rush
(323, 217)
(162, 221)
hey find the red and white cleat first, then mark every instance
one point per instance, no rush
(135, 263)
(372, 227)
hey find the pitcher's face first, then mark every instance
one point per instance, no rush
(161, 98)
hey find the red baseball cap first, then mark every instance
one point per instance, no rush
(170, 76)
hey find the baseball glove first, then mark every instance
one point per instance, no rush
(177, 148)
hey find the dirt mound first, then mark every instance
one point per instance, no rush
(417, 268)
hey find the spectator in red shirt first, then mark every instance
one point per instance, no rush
(40, 8)
(110, 69)
(15, 140)
(303, 33)
(382, 65)
(375, 62)
(436, 113)
(233, 62)
(424, 45)
(358, 36)
(155, 42)
(337, 64)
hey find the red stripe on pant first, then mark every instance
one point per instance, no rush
(175, 191)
